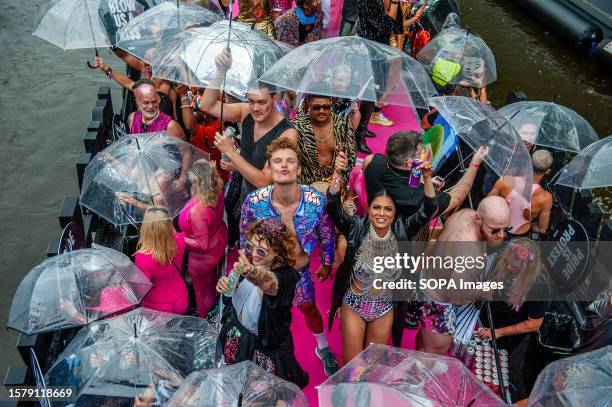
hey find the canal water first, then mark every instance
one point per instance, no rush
(47, 95)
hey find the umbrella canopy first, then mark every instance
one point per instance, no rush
(437, 12)
(582, 380)
(76, 288)
(243, 384)
(71, 24)
(458, 57)
(143, 353)
(353, 68)
(386, 376)
(480, 125)
(136, 172)
(142, 35)
(189, 57)
(117, 14)
(591, 168)
(550, 125)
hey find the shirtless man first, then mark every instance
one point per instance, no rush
(322, 134)
(489, 225)
(302, 209)
(537, 217)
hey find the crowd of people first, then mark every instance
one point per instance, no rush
(292, 187)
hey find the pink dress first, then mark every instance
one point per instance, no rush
(206, 239)
(169, 292)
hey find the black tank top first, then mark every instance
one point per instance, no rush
(255, 152)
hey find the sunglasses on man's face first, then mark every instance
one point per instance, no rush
(495, 231)
(260, 251)
(320, 107)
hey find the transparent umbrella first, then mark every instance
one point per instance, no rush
(243, 384)
(386, 376)
(189, 57)
(550, 125)
(143, 353)
(582, 380)
(480, 125)
(353, 68)
(591, 168)
(142, 35)
(117, 14)
(71, 24)
(76, 288)
(437, 12)
(458, 57)
(136, 172)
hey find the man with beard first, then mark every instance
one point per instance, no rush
(323, 134)
(302, 209)
(149, 118)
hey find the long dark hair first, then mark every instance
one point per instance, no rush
(383, 192)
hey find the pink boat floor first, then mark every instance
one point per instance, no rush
(404, 119)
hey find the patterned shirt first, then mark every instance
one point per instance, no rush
(312, 223)
(312, 170)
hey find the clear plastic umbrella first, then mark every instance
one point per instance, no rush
(437, 12)
(550, 125)
(143, 353)
(386, 376)
(243, 384)
(71, 24)
(353, 68)
(480, 125)
(142, 35)
(458, 57)
(189, 57)
(582, 380)
(591, 168)
(136, 172)
(76, 288)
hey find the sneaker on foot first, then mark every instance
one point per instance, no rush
(330, 366)
(380, 119)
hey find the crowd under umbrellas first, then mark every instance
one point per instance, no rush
(174, 359)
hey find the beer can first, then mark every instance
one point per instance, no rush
(487, 360)
(503, 365)
(486, 345)
(480, 377)
(503, 352)
(506, 379)
(479, 348)
(488, 381)
(464, 346)
(494, 374)
(477, 365)
(478, 372)
(495, 385)
(415, 174)
(472, 343)
(479, 354)
(486, 367)
(503, 358)
(468, 359)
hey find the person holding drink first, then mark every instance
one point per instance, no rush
(258, 296)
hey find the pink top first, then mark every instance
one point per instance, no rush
(160, 123)
(517, 205)
(203, 226)
(169, 292)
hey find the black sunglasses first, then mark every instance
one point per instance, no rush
(320, 107)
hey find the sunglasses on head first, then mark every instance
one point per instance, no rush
(260, 251)
(320, 107)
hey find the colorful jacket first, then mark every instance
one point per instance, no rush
(312, 223)
(288, 28)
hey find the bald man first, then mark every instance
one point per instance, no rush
(148, 118)
(487, 225)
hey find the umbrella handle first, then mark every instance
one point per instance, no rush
(89, 63)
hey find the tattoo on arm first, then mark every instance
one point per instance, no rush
(264, 279)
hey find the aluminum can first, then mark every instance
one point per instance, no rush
(232, 283)
(468, 359)
(455, 347)
(415, 174)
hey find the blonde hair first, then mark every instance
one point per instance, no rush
(206, 184)
(531, 268)
(157, 236)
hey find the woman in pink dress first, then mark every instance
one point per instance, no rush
(159, 255)
(205, 232)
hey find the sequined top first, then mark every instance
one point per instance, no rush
(312, 223)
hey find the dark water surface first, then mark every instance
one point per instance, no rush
(47, 95)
